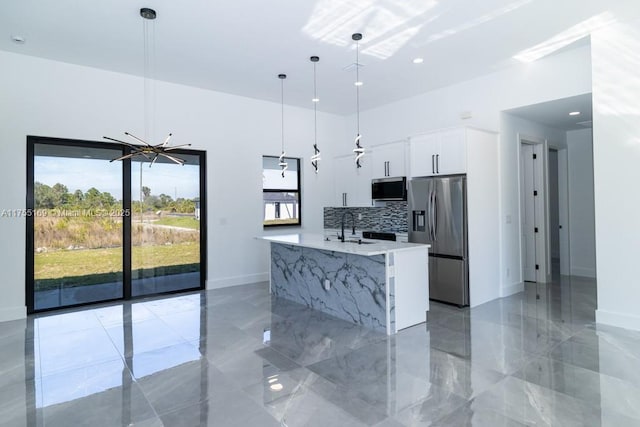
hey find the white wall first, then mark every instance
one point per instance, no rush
(616, 153)
(581, 211)
(48, 98)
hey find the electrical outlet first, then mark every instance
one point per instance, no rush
(359, 217)
(327, 284)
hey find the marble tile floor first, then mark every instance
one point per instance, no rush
(238, 357)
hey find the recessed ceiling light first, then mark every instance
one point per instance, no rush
(418, 60)
(18, 39)
(358, 83)
(574, 113)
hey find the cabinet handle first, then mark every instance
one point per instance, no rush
(438, 163)
(433, 163)
(386, 168)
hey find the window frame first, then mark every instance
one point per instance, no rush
(32, 141)
(273, 190)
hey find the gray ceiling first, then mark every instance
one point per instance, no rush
(240, 46)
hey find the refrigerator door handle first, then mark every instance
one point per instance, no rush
(432, 234)
(435, 215)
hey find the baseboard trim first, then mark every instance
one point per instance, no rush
(225, 282)
(621, 320)
(583, 271)
(13, 313)
(514, 288)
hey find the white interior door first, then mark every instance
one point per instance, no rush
(527, 209)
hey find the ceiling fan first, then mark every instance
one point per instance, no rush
(148, 151)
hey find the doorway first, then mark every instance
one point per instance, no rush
(532, 209)
(558, 179)
(88, 241)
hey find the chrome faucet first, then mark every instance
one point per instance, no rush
(353, 224)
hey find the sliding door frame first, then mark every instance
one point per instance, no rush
(126, 220)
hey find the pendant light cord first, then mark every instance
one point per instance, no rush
(357, 87)
(282, 109)
(149, 78)
(145, 71)
(315, 106)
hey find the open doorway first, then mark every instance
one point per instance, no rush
(558, 211)
(554, 213)
(533, 206)
(544, 210)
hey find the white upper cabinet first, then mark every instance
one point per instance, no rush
(352, 185)
(452, 156)
(388, 160)
(422, 154)
(438, 153)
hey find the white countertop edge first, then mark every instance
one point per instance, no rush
(317, 241)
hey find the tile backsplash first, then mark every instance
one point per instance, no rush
(389, 218)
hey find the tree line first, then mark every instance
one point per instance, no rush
(58, 196)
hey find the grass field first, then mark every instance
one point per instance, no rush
(61, 264)
(182, 221)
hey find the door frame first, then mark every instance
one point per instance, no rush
(126, 223)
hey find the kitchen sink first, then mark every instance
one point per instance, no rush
(359, 242)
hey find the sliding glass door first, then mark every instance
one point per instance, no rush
(100, 230)
(77, 225)
(166, 228)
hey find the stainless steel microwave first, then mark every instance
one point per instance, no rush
(389, 188)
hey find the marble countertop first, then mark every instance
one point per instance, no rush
(319, 241)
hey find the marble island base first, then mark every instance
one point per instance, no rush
(385, 292)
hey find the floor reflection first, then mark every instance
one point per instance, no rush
(237, 356)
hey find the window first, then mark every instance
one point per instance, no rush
(280, 195)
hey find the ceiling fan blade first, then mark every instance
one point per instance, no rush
(175, 159)
(166, 141)
(154, 159)
(126, 156)
(138, 139)
(177, 146)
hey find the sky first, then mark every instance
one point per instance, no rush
(82, 174)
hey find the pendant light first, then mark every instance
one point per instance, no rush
(316, 151)
(146, 150)
(359, 149)
(282, 163)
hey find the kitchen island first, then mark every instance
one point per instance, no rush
(378, 284)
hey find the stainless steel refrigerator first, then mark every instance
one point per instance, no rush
(438, 216)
